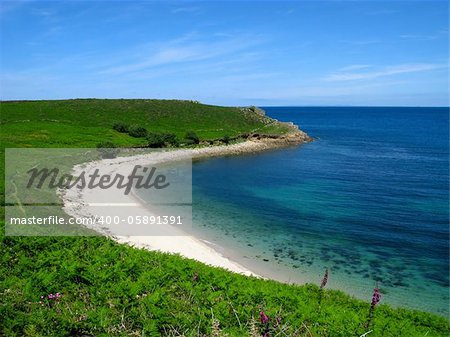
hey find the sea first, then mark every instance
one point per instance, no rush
(368, 200)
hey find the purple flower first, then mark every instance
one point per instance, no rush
(277, 322)
(324, 280)
(263, 317)
(376, 297)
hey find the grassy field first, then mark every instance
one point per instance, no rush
(85, 122)
(107, 289)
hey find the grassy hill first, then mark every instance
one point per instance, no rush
(86, 122)
(107, 289)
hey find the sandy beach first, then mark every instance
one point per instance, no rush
(89, 203)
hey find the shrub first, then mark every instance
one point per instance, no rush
(189, 142)
(226, 139)
(155, 140)
(138, 132)
(192, 136)
(107, 150)
(170, 139)
(120, 127)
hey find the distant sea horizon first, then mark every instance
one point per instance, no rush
(368, 199)
(234, 105)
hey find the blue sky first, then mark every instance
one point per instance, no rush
(229, 53)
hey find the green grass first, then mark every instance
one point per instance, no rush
(116, 290)
(45, 121)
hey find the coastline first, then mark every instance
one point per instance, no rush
(83, 203)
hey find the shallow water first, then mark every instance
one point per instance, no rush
(368, 199)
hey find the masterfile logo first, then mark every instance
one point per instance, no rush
(85, 192)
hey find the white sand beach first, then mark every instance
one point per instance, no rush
(84, 203)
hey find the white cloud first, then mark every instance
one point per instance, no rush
(347, 75)
(355, 67)
(181, 50)
(186, 10)
(419, 37)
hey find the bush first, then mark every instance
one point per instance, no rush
(155, 140)
(170, 139)
(226, 139)
(120, 127)
(192, 136)
(107, 150)
(189, 142)
(138, 132)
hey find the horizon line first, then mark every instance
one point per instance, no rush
(268, 106)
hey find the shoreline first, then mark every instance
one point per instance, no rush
(169, 239)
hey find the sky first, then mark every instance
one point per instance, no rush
(367, 53)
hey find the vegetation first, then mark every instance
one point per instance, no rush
(92, 286)
(191, 138)
(226, 139)
(138, 131)
(107, 149)
(108, 289)
(170, 139)
(88, 121)
(120, 127)
(156, 140)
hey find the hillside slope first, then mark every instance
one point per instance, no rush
(108, 289)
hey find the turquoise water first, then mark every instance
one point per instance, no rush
(368, 199)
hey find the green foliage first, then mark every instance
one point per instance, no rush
(106, 144)
(88, 121)
(155, 140)
(226, 139)
(171, 139)
(121, 127)
(107, 149)
(192, 137)
(137, 131)
(109, 289)
(115, 290)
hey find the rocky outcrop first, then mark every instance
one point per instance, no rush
(287, 139)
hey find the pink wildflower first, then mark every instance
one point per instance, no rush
(263, 317)
(324, 280)
(376, 297)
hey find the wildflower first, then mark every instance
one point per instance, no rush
(263, 317)
(277, 322)
(376, 297)
(51, 298)
(324, 280)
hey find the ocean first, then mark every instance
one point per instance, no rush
(368, 199)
